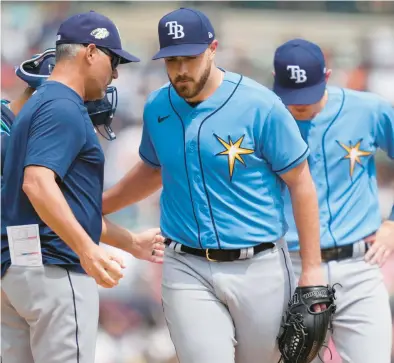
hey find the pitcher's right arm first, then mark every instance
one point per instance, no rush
(139, 183)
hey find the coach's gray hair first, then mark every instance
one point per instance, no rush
(67, 51)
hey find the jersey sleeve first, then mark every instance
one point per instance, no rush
(57, 135)
(281, 142)
(147, 150)
(385, 129)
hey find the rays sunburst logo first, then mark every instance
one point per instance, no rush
(234, 152)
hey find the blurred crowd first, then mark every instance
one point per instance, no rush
(358, 40)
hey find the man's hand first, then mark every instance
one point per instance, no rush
(103, 266)
(148, 245)
(382, 244)
(313, 276)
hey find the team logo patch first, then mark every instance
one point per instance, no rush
(175, 29)
(354, 154)
(233, 151)
(297, 74)
(100, 33)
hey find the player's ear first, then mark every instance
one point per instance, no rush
(212, 47)
(90, 53)
(273, 73)
(328, 74)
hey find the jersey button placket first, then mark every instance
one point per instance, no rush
(192, 147)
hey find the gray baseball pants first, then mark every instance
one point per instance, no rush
(226, 312)
(48, 315)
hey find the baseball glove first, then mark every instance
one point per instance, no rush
(303, 331)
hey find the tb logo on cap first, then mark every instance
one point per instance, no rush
(297, 73)
(175, 29)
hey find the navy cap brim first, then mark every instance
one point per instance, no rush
(301, 96)
(181, 50)
(125, 57)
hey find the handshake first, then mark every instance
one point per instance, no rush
(105, 266)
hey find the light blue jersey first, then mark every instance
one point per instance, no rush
(220, 163)
(343, 140)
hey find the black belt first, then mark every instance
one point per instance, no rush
(339, 253)
(215, 255)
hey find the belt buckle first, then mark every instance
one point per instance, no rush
(207, 256)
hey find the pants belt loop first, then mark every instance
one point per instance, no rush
(246, 253)
(243, 253)
(359, 249)
(356, 249)
(176, 247)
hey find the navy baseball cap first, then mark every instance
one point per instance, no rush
(93, 28)
(184, 33)
(300, 72)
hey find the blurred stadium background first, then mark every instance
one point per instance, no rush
(358, 40)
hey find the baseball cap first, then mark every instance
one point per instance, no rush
(37, 69)
(184, 32)
(93, 28)
(300, 72)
